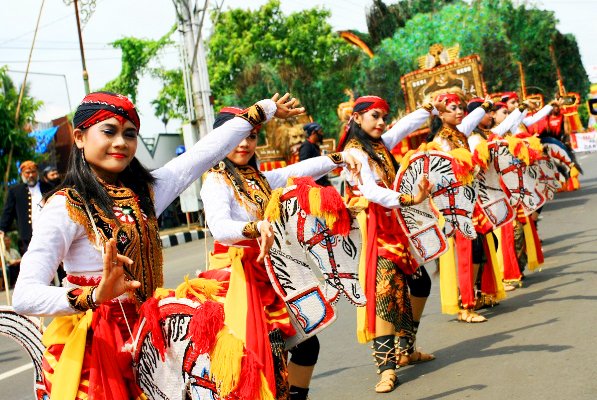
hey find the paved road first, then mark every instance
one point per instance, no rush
(540, 343)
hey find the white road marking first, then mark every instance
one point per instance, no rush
(16, 371)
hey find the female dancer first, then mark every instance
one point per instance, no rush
(101, 223)
(235, 194)
(388, 265)
(454, 134)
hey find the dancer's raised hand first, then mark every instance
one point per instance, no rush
(114, 282)
(285, 106)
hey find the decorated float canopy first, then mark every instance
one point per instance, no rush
(442, 71)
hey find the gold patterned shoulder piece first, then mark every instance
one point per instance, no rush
(456, 138)
(336, 158)
(76, 211)
(255, 115)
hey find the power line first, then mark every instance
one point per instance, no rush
(57, 48)
(69, 60)
(31, 31)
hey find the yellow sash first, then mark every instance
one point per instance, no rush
(72, 332)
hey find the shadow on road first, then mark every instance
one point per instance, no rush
(478, 348)
(453, 391)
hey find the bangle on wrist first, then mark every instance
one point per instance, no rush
(406, 200)
(255, 115)
(428, 107)
(336, 158)
(251, 230)
(82, 298)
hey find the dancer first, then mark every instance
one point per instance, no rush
(101, 222)
(235, 194)
(453, 134)
(387, 264)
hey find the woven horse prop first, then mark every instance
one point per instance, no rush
(452, 199)
(492, 200)
(559, 154)
(27, 332)
(512, 164)
(548, 177)
(180, 346)
(313, 232)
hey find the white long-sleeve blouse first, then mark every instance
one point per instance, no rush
(226, 216)
(370, 188)
(57, 238)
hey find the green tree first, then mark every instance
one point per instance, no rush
(135, 59)
(383, 20)
(255, 53)
(15, 142)
(171, 101)
(568, 58)
(476, 29)
(500, 32)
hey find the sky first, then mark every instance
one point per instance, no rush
(57, 52)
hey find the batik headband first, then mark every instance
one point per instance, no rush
(100, 106)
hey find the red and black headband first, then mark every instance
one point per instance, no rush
(100, 106)
(366, 103)
(509, 95)
(362, 105)
(449, 98)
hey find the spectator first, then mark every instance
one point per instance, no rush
(51, 176)
(13, 261)
(23, 204)
(310, 147)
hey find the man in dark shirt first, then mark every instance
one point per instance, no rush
(310, 147)
(23, 204)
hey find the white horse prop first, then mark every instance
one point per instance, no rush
(313, 232)
(453, 196)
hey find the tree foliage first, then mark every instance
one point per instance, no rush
(500, 32)
(383, 20)
(136, 55)
(15, 143)
(171, 101)
(253, 54)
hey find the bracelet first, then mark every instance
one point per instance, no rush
(427, 107)
(406, 200)
(487, 106)
(336, 158)
(250, 230)
(81, 299)
(255, 115)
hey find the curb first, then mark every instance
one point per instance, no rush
(181, 237)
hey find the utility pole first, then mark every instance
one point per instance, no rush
(198, 91)
(85, 74)
(88, 6)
